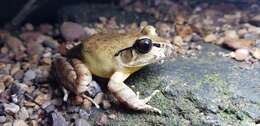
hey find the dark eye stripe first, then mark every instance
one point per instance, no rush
(157, 45)
(122, 50)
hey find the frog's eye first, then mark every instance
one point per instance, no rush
(143, 45)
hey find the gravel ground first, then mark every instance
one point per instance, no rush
(27, 96)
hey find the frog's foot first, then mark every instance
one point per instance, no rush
(140, 104)
(91, 100)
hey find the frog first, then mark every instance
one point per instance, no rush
(114, 56)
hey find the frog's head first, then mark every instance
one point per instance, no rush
(147, 48)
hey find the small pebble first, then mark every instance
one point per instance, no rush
(23, 114)
(87, 104)
(42, 98)
(30, 36)
(112, 116)
(81, 122)
(18, 75)
(102, 120)
(2, 87)
(19, 123)
(16, 67)
(72, 31)
(255, 21)
(231, 34)
(99, 98)
(46, 29)
(33, 123)
(14, 98)
(210, 38)
(178, 41)
(106, 104)
(84, 114)
(78, 100)
(93, 89)
(256, 53)
(238, 43)
(11, 107)
(58, 119)
(15, 44)
(2, 119)
(8, 124)
(34, 48)
(28, 27)
(51, 43)
(29, 75)
(240, 54)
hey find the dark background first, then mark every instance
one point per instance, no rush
(47, 10)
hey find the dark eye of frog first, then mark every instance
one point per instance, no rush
(143, 45)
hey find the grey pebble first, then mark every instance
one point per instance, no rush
(82, 122)
(58, 119)
(29, 75)
(23, 114)
(2, 119)
(11, 107)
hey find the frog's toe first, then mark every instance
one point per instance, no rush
(145, 107)
(147, 99)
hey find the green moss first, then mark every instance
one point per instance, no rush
(212, 79)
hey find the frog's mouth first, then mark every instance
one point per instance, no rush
(129, 57)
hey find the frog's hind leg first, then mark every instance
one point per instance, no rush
(84, 82)
(74, 76)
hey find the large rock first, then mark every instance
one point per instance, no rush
(208, 90)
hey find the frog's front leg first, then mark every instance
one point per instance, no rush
(127, 96)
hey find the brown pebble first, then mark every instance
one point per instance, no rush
(28, 27)
(178, 41)
(30, 36)
(72, 31)
(112, 116)
(2, 87)
(238, 43)
(87, 104)
(78, 100)
(184, 31)
(47, 60)
(231, 34)
(14, 44)
(106, 104)
(15, 68)
(33, 123)
(240, 54)
(99, 98)
(42, 98)
(18, 75)
(45, 28)
(210, 38)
